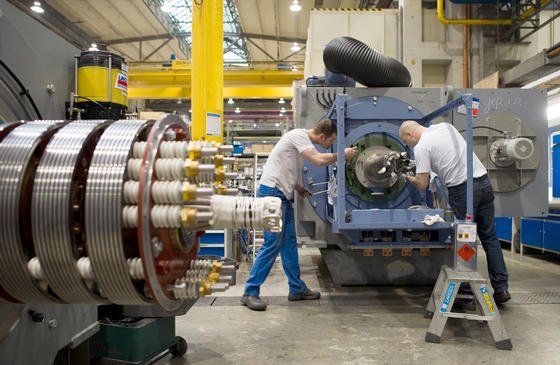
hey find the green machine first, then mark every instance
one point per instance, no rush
(133, 340)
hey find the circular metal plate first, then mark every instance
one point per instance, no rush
(174, 261)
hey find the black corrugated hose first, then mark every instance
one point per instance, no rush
(360, 62)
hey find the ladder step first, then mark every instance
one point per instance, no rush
(469, 316)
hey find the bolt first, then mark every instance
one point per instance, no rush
(36, 316)
(170, 135)
(409, 108)
(162, 267)
(304, 169)
(314, 204)
(375, 98)
(51, 89)
(374, 103)
(53, 323)
(310, 180)
(157, 247)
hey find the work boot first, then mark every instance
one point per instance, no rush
(307, 294)
(253, 302)
(502, 297)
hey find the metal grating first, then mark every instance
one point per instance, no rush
(545, 297)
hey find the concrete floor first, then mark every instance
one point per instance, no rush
(370, 325)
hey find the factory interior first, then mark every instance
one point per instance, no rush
(279, 181)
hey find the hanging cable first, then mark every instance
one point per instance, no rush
(23, 91)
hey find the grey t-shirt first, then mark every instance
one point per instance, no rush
(281, 168)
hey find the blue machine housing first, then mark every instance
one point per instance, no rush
(381, 223)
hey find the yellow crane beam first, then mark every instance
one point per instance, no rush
(180, 77)
(235, 92)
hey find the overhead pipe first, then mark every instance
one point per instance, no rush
(441, 17)
(522, 18)
(466, 49)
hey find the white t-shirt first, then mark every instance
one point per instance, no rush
(443, 151)
(281, 168)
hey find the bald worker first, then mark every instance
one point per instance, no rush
(442, 150)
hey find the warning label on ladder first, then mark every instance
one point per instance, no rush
(466, 252)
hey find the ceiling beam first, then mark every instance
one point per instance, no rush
(267, 37)
(157, 49)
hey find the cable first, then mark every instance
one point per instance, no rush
(485, 127)
(100, 105)
(23, 91)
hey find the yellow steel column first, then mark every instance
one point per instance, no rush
(207, 78)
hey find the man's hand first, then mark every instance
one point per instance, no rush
(303, 192)
(419, 181)
(349, 152)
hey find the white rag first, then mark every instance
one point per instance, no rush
(431, 219)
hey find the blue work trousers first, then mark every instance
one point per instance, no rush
(284, 243)
(483, 216)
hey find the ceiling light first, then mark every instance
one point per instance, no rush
(294, 68)
(179, 101)
(165, 7)
(255, 125)
(543, 80)
(93, 47)
(277, 125)
(190, 110)
(295, 47)
(230, 101)
(283, 110)
(553, 111)
(281, 101)
(237, 110)
(295, 7)
(230, 121)
(37, 7)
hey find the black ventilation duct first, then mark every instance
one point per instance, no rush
(360, 62)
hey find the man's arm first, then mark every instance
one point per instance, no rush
(419, 181)
(327, 158)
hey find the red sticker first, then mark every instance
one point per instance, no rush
(466, 252)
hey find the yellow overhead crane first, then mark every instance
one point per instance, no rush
(175, 82)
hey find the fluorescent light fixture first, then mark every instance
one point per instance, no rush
(295, 47)
(553, 111)
(542, 80)
(36, 7)
(295, 7)
(230, 101)
(237, 110)
(281, 101)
